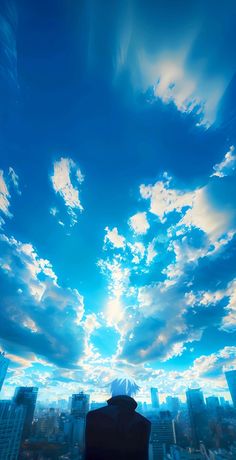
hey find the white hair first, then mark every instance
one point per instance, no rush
(124, 386)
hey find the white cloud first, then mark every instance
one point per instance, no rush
(67, 186)
(173, 82)
(204, 215)
(4, 196)
(229, 321)
(206, 298)
(34, 266)
(151, 252)
(118, 282)
(118, 276)
(227, 165)
(53, 211)
(118, 241)
(114, 312)
(138, 250)
(15, 179)
(40, 314)
(215, 364)
(200, 211)
(139, 223)
(164, 200)
(159, 320)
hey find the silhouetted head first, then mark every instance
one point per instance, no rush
(124, 386)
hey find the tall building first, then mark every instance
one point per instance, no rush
(27, 397)
(3, 368)
(173, 405)
(155, 398)
(222, 401)
(162, 434)
(197, 416)
(213, 404)
(12, 419)
(79, 405)
(79, 410)
(231, 381)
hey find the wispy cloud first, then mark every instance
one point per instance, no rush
(227, 165)
(14, 179)
(4, 196)
(66, 178)
(8, 58)
(179, 67)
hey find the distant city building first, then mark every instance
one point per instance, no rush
(139, 406)
(178, 453)
(155, 398)
(62, 404)
(173, 405)
(27, 397)
(4, 362)
(47, 426)
(197, 416)
(12, 419)
(183, 430)
(97, 405)
(222, 401)
(79, 405)
(69, 403)
(213, 404)
(231, 381)
(79, 410)
(145, 407)
(162, 434)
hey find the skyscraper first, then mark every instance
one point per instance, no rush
(212, 403)
(162, 434)
(197, 415)
(155, 398)
(172, 404)
(3, 368)
(12, 418)
(79, 410)
(231, 381)
(79, 405)
(27, 397)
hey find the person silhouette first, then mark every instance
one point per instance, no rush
(117, 431)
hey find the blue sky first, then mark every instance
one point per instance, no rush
(117, 194)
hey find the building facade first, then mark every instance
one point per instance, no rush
(26, 396)
(4, 362)
(12, 419)
(79, 410)
(155, 398)
(162, 435)
(231, 381)
(197, 416)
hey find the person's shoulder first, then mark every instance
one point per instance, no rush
(96, 412)
(140, 418)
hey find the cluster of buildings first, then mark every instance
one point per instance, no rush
(199, 429)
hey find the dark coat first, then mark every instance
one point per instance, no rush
(117, 432)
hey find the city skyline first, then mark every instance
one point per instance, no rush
(117, 196)
(152, 397)
(201, 428)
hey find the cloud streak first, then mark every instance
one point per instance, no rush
(180, 67)
(66, 178)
